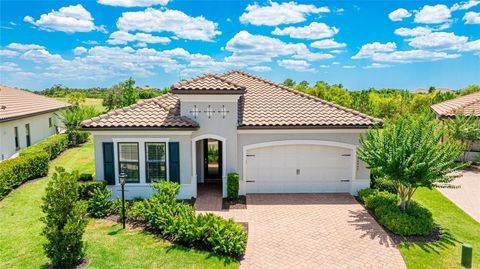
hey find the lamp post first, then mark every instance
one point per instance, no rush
(123, 178)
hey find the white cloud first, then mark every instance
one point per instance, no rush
(472, 46)
(276, 14)
(177, 22)
(24, 47)
(314, 30)
(376, 65)
(327, 44)
(349, 66)
(464, 5)
(472, 17)
(254, 49)
(399, 14)
(438, 40)
(9, 67)
(413, 31)
(368, 50)
(133, 3)
(296, 65)
(433, 14)
(79, 50)
(42, 55)
(8, 53)
(122, 38)
(67, 19)
(387, 53)
(260, 68)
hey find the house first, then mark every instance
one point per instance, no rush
(278, 139)
(468, 105)
(423, 90)
(25, 119)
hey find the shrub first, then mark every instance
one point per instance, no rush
(233, 185)
(168, 217)
(53, 146)
(80, 137)
(86, 189)
(364, 193)
(379, 199)
(85, 177)
(220, 235)
(14, 172)
(65, 220)
(100, 205)
(416, 220)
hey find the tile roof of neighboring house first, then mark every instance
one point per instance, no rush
(208, 83)
(158, 112)
(268, 104)
(16, 104)
(423, 90)
(467, 104)
(263, 104)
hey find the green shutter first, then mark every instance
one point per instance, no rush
(174, 161)
(108, 163)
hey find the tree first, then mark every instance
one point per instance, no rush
(76, 98)
(410, 154)
(289, 83)
(113, 98)
(71, 119)
(130, 94)
(65, 220)
(465, 129)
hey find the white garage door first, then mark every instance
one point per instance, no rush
(298, 169)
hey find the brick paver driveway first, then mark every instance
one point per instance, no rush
(313, 231)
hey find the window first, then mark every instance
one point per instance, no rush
(27, 134)
(50, 124)
(155, 162)
(128, 161)
(17, 144)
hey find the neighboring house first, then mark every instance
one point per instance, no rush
(441, 90)
(278, 139)
(25, 119)
(468, 105)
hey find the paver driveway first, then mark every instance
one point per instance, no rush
(313, 231)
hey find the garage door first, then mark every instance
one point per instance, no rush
(298, 169)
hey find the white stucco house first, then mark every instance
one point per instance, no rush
(25, 119)
(277, 139)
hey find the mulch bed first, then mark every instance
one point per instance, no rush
(240, 203)
(435, 236)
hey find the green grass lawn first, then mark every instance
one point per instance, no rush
(108, 246)
(458, 227)
(95, 102)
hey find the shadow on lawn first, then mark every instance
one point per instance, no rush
(225, 259)
(447, 240)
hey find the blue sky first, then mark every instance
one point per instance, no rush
(360, 44)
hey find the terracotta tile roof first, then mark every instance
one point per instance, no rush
(268, 104)
(467, 104)
(159, 112)
(205, 84)
(263, 104)
(15, 104)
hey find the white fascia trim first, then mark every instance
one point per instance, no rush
(139, 132)
(353, 148)
(209, 97)
(301, 131)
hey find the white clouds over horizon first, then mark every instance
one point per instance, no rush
(399, 14)
(275, 14)
(71, 19)
(133, 3)
(296, 65)
(433, 14)
(123, 38)
(472, 17)
(419, 30)
(327, 44)
(315, 30)
(182, 25)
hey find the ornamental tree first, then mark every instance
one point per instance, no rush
(410, 153)
(130, 95)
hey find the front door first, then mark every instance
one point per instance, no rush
(212, 159)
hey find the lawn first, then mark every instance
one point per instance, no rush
(108, 246)
(95, 102)
(458, 226)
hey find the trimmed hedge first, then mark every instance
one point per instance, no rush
(14, 172)
(81, 137)
(415, 220)
(86, 189)
(233, 185)
(53, 146)
(85, 177)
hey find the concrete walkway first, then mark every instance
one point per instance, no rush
(312, 231)
(467, 197)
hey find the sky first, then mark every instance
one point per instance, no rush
(359, 44)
